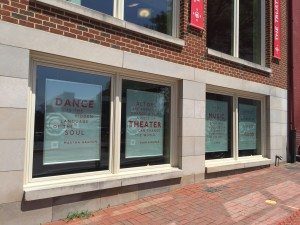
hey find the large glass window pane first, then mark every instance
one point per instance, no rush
(250, 30)
(72, 122)
(153, 14)
(249, 112)
(145, 128)
(220, 20)
(105, 6)
(218, 126)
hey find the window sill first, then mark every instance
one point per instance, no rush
(243, 62)
(50, 189)
(61, 4)
(219, 165)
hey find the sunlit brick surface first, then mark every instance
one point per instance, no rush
(237, 199)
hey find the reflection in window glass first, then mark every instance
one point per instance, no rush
(250, 30)
(218, 126)
(249, 127)
(72, 122)
(105, 6)
(145, 128)
(155, 15)
(220, 25)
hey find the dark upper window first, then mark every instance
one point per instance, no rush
(152, 14)
(245, 41)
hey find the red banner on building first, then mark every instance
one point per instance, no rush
(197, 14)
(277, 28)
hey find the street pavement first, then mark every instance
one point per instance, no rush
(265, 196)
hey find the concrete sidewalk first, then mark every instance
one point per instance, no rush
(236, 199)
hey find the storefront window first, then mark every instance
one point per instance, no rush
(145, 128)
(72, 122)
(155, 15)
(220, 25)
(76, 125)
(218, 126)
(249, 127)
(228, 136)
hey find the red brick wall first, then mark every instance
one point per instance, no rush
(35, 15)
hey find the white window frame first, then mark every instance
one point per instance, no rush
(118, 12)
(235, 95)
(114, 170)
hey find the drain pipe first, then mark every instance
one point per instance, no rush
(292, 146)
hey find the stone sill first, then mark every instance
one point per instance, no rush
(68, 6)
(220, 165)
(238, 61)
(43, 190)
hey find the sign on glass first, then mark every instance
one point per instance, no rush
(247, 126)
(72, 122)
(144, 124)
(216, 126)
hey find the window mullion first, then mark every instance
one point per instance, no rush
(236, 29)
(235, 128)
(119, 9)
(117, 125)
(115, 9)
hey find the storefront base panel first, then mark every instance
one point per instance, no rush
(48, 190)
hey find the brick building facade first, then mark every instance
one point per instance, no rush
(213, 111)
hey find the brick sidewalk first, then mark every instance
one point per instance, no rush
(235, 199)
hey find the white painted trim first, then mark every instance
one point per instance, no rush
(113, 88)
(29, 123)
(235, 127)
(237, 60)
(117, 125)
(115, 21)
(118, 9)
(219, 165)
